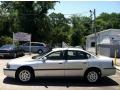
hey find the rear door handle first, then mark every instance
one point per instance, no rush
(60, 63)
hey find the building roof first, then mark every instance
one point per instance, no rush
(108, 30)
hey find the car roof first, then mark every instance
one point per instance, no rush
(58, 49)
(36, 42)
(77, 49)
(7, 45)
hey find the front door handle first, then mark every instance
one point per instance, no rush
(60, 63)
(84, 62)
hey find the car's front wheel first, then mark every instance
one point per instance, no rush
(24, 75)
(92, 76)
(14, 55)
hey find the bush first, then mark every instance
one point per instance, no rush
(5, 40)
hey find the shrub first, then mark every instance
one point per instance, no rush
(5, 40)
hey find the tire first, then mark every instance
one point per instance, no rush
(92, 76)
(14, 55)
(40, 51)
(24, 75)
(22, 54)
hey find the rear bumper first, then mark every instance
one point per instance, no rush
(108, 71)
(9, 72)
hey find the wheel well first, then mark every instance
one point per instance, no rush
(40, 50)
(24, 67)
(93, 68)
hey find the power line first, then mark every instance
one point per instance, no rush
(77, 13)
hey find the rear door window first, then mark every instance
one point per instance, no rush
(75, 55)
(36, 44)
(27, 44)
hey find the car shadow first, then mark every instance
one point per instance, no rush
(67, 82)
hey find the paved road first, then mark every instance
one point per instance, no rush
(107, 83)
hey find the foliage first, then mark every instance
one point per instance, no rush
(60, 28)
(5, 40)
(106, 21)
(32, 17)
(80, 28)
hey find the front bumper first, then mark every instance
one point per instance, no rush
(6, 54)
(9, 72)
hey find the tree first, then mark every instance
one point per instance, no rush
(31, 17)
(80, 28)
(60, 28)
(5, 40)
(106, 21)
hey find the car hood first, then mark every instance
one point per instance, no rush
(22, 61)
(5, 49)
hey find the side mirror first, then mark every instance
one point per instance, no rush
(44, 58)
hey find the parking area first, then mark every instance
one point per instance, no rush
(106, 83)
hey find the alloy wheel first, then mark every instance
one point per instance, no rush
(24, 76)
(92, 76)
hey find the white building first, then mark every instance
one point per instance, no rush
(107, 41)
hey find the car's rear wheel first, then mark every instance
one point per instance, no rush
(14, 55)
(24, 75)
(40, 51)
(22, 54)
(92, 76)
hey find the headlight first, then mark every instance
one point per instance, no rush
(8, 65)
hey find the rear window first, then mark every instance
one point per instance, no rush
(72, 54)
(34, 44)
(37, 44)
(7, 46)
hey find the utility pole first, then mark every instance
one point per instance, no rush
(93, 27)
(13, 39)
(91, 17)
(95, 31)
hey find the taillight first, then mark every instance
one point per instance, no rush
(112, 63)
(45, 45)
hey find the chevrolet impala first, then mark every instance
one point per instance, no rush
(61, 62)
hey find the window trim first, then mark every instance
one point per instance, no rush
(77, 59)
(55, 52)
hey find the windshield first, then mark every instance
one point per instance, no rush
(7, 47)
(38, 56)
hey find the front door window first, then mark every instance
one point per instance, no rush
(56, 56)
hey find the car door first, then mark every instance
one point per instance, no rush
(26, 47)
(35, 47)
(54, 64)
(16, 50)
(76, 63)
